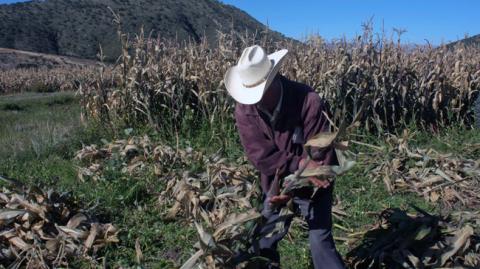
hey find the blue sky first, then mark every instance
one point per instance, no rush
(9, 1)
(434, 20)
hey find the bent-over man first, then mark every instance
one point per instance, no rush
(275, 117)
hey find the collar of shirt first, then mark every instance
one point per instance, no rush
(273, 117)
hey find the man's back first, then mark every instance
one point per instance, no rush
(271, 147)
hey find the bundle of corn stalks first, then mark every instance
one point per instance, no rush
(44, 229)
(437, 177)
(337, 141)
(421, 240)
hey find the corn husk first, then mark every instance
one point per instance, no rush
(419, 240)
(44, 229)
(452, 180)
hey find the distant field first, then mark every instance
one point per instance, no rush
(43, 79)
(34, 122)
(11, 58)
(25, 71)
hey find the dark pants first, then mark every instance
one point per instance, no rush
(317, 211)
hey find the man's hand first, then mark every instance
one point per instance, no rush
(320, 183)
(317, 182)
(279, 199)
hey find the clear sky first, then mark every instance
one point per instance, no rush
(10, 1)
(434, 20)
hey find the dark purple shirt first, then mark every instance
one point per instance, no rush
(270, 148)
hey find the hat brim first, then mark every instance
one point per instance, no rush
(252, 95)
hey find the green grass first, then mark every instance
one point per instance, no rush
(40, 134)
(35, 123)
(360, 199)
(130, 203)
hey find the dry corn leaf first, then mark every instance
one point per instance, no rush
(322, 140)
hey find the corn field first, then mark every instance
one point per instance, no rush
(377, 84)
(44, 79)
(161, 84)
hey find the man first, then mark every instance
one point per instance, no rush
(275, 117)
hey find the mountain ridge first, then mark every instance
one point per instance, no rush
(79, 27)
(469, 41)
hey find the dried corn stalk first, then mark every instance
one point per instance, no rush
(335, 140)
(421, 240)
(133, 154)
(323, 141)
(160, 83)
(44, 229)
(220, 200)
(477, 112)
(451, 180)
(45, 79)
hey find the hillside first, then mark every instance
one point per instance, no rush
(10, 58)
(470, 41)
(78, 27)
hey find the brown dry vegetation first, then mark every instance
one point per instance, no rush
(166, 87)
(221, 202)
(64, 78)
(11, 58)
(161, 84)
(44, 229)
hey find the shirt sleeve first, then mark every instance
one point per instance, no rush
(260, 149)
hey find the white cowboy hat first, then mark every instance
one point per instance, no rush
(247, 81)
